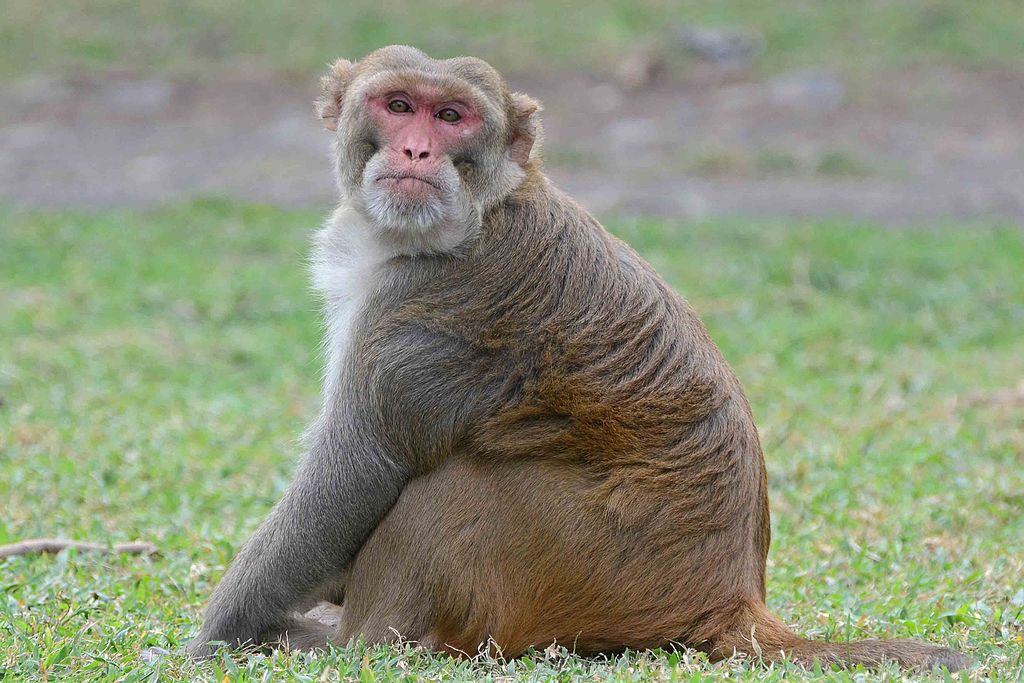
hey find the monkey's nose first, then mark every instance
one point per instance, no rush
(416, 153)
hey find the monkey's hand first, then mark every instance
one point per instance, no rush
(199, 649)
(301, 633)
(342, 490)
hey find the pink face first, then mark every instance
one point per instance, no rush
(420, 129)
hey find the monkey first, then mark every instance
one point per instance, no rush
(526, 436)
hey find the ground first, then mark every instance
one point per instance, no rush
(159, 365)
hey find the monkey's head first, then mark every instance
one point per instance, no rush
(423, 146)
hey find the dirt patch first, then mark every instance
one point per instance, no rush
(912, 147)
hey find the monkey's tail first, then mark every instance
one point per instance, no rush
(758, 633)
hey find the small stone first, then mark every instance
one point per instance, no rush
(640, 68)
(728, 48)
(808, 88)
(138, 96)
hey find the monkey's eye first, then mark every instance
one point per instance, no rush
(448, 115)
(399, 106)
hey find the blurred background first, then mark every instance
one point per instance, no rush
(896, 111)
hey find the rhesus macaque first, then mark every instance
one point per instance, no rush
(526, 435)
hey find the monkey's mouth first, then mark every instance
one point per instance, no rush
(409, 184)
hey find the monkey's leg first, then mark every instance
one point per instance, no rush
(342, 489)
(398, 587)
(469, 553)
(473, 553)
(516, 554)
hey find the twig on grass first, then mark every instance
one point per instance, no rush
(55, 545)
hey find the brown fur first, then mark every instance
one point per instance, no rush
(581, 464)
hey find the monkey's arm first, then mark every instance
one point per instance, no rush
(343, 488)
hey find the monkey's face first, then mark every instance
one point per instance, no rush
(425, 147)
(410, 182)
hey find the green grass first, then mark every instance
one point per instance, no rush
(156, 368)
(226, 37)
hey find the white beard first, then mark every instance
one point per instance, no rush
(394, 213)
(435, 225)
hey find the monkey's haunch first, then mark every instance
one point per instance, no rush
(55, 545)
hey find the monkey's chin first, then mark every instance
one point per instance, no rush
(431, 224)
(397, 210)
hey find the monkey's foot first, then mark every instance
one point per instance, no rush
(326, 613)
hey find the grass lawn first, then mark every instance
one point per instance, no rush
(156, 368)
(226, 37)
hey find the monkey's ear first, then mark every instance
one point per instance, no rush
(332, 90)
(526, 130)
